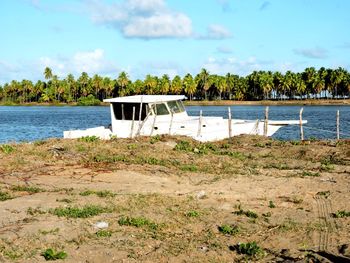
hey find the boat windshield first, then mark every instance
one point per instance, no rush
(176, 106)
(161, 109)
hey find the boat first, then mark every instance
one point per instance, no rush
(150, 115)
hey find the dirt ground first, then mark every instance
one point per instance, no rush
(171, 199)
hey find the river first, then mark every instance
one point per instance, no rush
(31, 123)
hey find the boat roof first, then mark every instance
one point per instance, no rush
(146, 98)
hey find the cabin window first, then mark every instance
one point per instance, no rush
(175, 106)
(161, 109)
(124, 110)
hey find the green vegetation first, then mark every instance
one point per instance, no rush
(85, 90)
(247, 213)
(76, 212)
(5, 196)
(341, 214)
(228, 229)
(271, 204)
(137, 222)
(24, 188)
(5, 148)
(103, 233)
(250, 249)
(310, 174)
(193, 213)
(89, 138)
(50, 254)
(103, 193)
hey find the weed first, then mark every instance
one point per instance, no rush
(7, 149)
(183, 146)
(103, 233)
(76, 212)
(87, 192)
(228, 229)
(12, 254)
(268, 214)
(137, 222)
(251, 249)
(247, 213)
(341, 214)
(132, 146)
(105, 193)
(50, 254)
(271, 204)
(192, 213)
(288, 225)
(155, 139)
(5, 196)
(29, 189)
(310, 174)
(52, 231)
(295, 142)
(189, 168)
(327, 164)
(89, 139)
(35, 211)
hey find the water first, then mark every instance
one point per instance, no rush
(39, 122)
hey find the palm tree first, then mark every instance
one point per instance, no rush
(48, 73)
(164, 84)
(122, 82)
(203, 82)
(189, 85)
(150, 84)
(96, 85)
(176, 85)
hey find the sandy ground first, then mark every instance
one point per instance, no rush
(281, 195)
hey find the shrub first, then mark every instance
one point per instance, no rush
(50, 254)
(89, 139)
(247, 213)
(5, 196)
(250, 249)
(271, 204)
(341, 214)
(228, 230)
(5, 148)
(88, 101)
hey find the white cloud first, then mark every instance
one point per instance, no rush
(216, 32)
(318, 53)
(142, 18)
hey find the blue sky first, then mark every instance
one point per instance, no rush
(170, 36)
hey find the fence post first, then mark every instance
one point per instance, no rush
(200, 124)
(171, 122)
(301, 124)
(338, 125)
(123, 114)
(154, 120)
(132, 122)
(229, 123)
(266, 123)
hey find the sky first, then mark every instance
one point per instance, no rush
(171, 37)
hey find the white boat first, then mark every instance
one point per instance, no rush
(149, 115)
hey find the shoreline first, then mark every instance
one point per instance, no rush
(331, 102)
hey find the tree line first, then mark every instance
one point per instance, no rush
(259, 85)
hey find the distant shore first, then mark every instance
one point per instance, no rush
(210, 103)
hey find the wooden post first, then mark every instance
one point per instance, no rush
(266, 123)
(171, 121)
(200, 124)
(140, 112)
(154, 120)
(301, 124)
(338, 125)
(132, 123)
(229, 123)
(123, 114)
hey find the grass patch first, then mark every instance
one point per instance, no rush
(341, 214)
(247, 213)
(189, 168)
(250, 249)
(310, 174)
(50, 254)
(192, 213)
(76, 212)
(29, 189)
(228, 229)
(89, 139)
(47, 232)
(35, 211)
(7, 149)
(102, 194)
(5, 196)
(155, 139)
(103, 233)
(271, 204)
(137, 222)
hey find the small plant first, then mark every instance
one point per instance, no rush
(35, 211)
(105, 193)
(192, 213)
(310, 174)
(268, 214)
(5, 148)
(103, 233)
(295, 142)
(5, 196)
(327, 164)
(29, 189)
(341, 214)
(251, 249)
(76, 212)
(89, 139)
(325, 194)
(247, 213)
(52, 231)
(271, 204)
(87, 193)
(189, 168)
(132, 146)
(50, 254)
(137, 222)
(228, 229)
(183, 146)
(155, 139)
